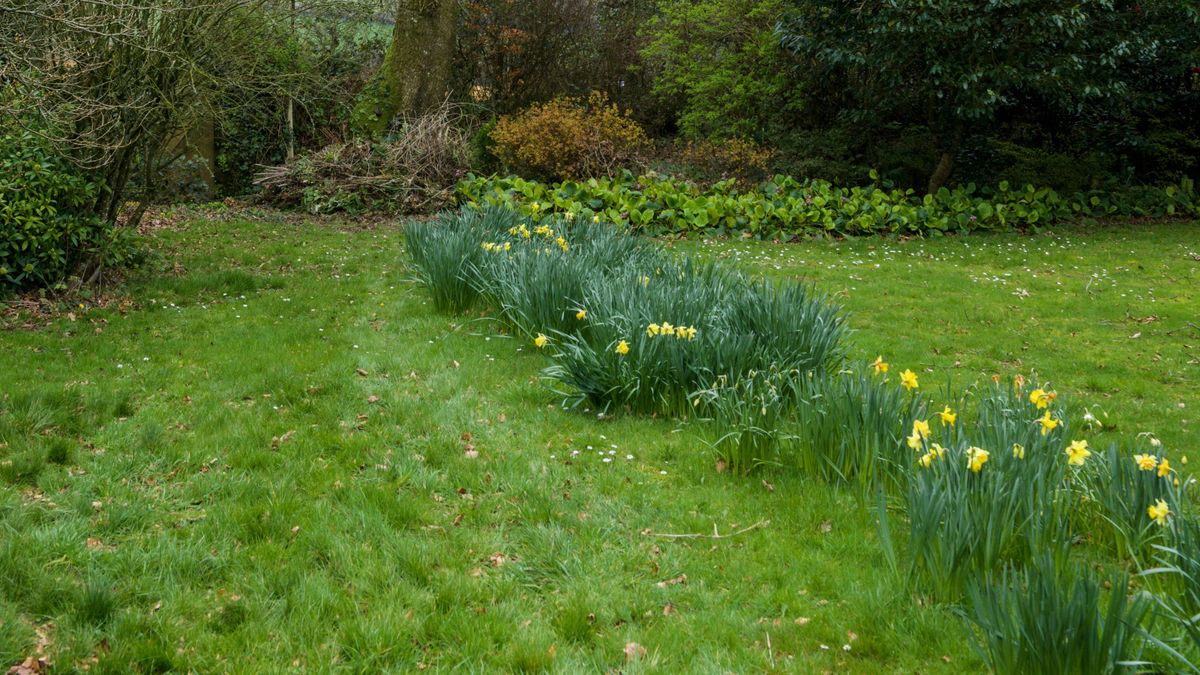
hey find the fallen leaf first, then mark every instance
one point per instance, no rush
(634, 651)
(800, 621)
(372, 399)
(768, 486)
(826, 526)
(681, 579)
(497, 559)
(721, 466)
(362, 372)
(280, 440)
(668, 609)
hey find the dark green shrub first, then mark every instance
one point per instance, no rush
(45, 230)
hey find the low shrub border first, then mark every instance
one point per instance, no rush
(784, 207)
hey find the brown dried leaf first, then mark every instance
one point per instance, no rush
(681, 579)
(280, 440)
(362, 372)
(634, 651)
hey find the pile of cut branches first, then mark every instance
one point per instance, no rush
(414, 170)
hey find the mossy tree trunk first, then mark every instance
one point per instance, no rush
(415, 74)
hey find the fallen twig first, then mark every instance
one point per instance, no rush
(715, 534)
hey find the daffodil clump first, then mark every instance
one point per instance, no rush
(665, 329)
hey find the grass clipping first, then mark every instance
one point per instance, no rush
(414, 170)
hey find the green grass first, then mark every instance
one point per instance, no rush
(208, 483)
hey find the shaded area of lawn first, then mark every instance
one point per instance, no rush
(282, 459)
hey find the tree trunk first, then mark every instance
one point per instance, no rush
(415, 74)
(941, 172)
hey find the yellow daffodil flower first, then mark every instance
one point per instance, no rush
(1077, 453)
(596, 219)
(541, 341)
(914, 441)
(667, 329)
(1042, 399)
(1048, 423)
(921, 427)
(645, 280)
(507, 246)
(1146, 462)
(691, 333)
(879, 365)
(1018, 451)
(652, 330)
(1159, 511)
(908, 379)
(562, 243)
(1164, 468)
(948, 416)
(581, 314)
(927, 459)
(622, 348)
(976, 458)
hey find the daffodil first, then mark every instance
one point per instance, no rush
(622, 348)
(1146, 462)
(948, 416)
(691, 333)
(879, 365)
(667, 329)
(562, 243)
(581, 314)
(507, 246)
(645, 280)
(1048, 423)
(1077, 453)
(1018, 451)
(927, 459)
(1159, 511)
(596, 219)
(976, 458)
(921, 427)
(1018, 381)
(908, 379)
(652, 330)
(914, 441)
(1164, 468)
(1041, 398)
(541, 341)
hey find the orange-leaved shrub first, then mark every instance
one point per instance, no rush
(570, 138)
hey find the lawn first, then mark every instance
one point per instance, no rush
(278, 458)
